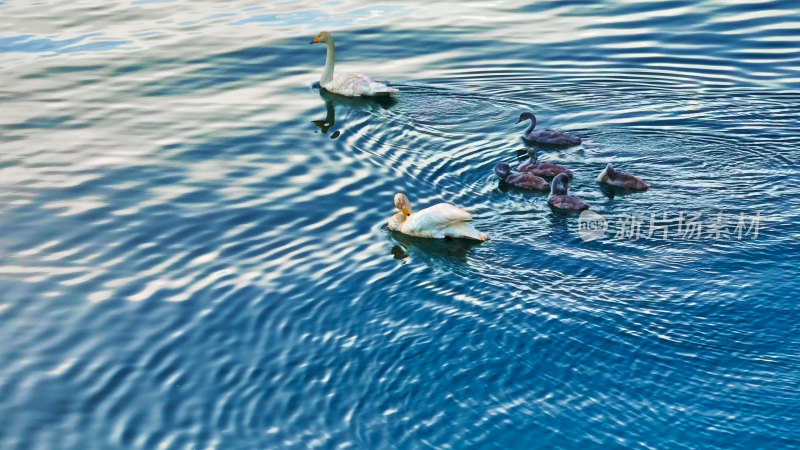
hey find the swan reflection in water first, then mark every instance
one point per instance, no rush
(613, 191)
(433, 251)
(331, 100)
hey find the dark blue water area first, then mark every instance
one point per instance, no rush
(195, 249)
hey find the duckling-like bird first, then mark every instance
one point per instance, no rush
(350, 84)
(438, 221)
(550, 137)
(559, 195)
(524, 180)
(544, 169)
(618, 178)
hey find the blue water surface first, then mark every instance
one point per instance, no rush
(194, 243)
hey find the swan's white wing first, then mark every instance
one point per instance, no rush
(445, 214)
(441, 221)
(435, 218)
(356, 84)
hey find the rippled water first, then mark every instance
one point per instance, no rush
(195, 252)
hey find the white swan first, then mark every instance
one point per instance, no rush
(353, 84)
(438, 221)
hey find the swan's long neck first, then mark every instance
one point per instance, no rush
(533, 125)
(330, 60)
(558, 188)
(396, 220)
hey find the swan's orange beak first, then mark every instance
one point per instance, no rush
(316, 39)
(406, 212)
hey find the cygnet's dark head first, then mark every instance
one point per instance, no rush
(502, 170)
(527, 115)
(559, 184)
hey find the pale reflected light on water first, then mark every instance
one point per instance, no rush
(195, 252)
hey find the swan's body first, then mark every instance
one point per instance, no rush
(352, 84)
(524, 180)
(550, 137)
(618, 178)
(559, 196)
(544, 169)
(439, 221)
(355, 84)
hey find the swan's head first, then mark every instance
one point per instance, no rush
(502, 170)
(559, 184)
(527, 115)
(401, 202)
(606, 174)
(324, 37)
